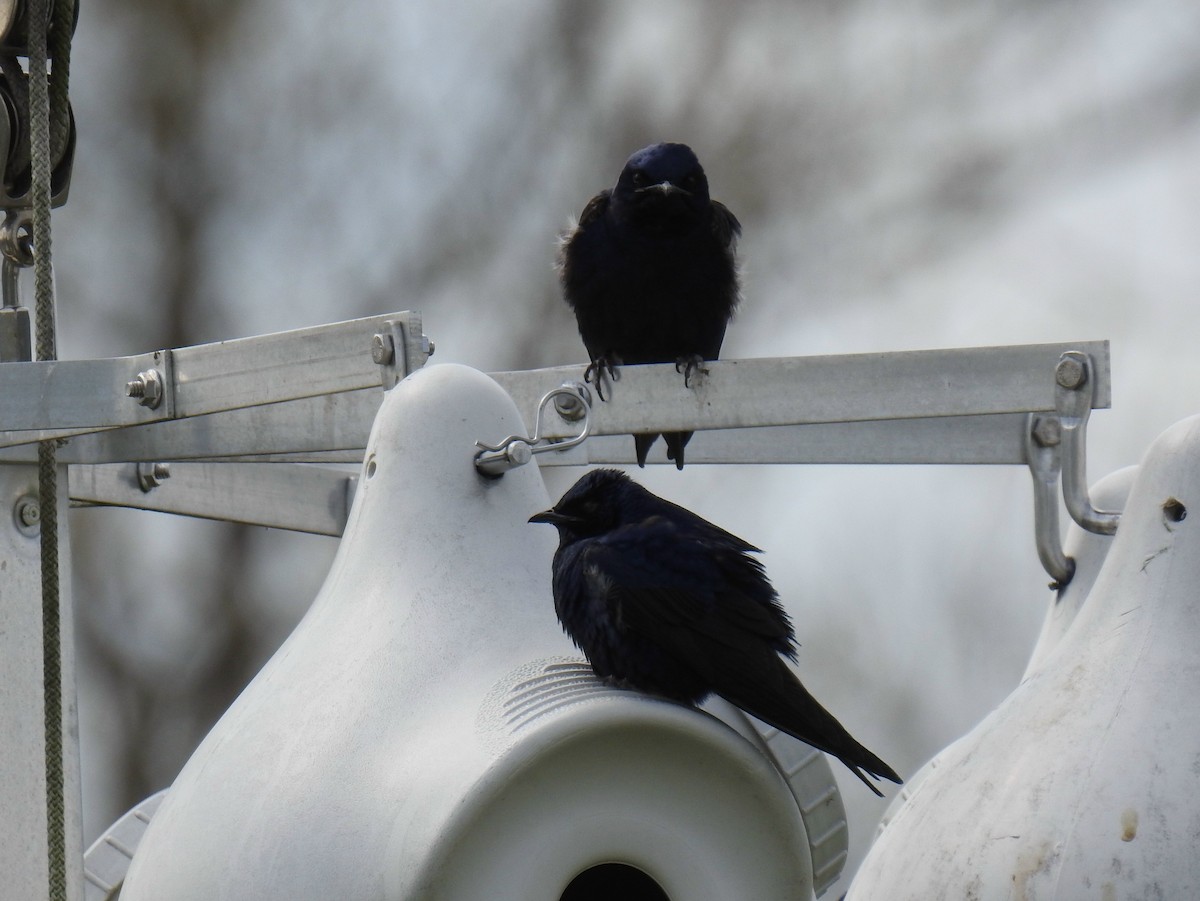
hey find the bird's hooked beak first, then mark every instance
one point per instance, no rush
(664, 187)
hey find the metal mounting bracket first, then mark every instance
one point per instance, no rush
(155, 387)
(400, 349)
(68, 398)
(16, 253)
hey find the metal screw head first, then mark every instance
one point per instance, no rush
(147, 388)
(28, 513)
(1047, 431)
(1070, 372)
(383, 349)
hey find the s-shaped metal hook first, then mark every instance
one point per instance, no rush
(1074, 387)
(573, 401)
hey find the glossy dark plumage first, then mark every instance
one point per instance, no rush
(666, 602)
(650, 272)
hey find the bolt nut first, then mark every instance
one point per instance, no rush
(427, 346)
(147, 388)
(1047, 431)
(569, 406)
(383, 349)
(1070, 372)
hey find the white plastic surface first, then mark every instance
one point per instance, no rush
(810, 778)
(1083, 783)
(426, 734)
(1088, 550)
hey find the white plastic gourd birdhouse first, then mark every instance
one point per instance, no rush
(427, 732)
(1083, 783)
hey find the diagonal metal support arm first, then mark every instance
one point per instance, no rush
(302, 498)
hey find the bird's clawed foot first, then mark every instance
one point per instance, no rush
(689, 366)
(602, 368)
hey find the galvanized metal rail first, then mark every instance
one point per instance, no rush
(220, 430)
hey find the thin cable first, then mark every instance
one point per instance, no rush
(42, 166)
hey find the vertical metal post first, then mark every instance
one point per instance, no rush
(24, 854)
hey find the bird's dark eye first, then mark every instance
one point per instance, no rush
(639, 179)
(689, 181)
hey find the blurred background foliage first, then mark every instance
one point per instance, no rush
(909, 175)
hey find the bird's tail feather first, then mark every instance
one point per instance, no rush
(676, 442)
(791, 709)
(641, 444)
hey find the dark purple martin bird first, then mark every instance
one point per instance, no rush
(650, 273)
(666, 602)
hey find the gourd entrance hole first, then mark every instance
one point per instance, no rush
(609, 881)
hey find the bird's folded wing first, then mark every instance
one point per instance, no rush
(689, 597)
(595, 209)
(690, 528)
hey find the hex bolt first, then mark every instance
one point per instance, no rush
(428, 346)
(383, 349)
(147, 388)
(151, 475)
(1047, 431)
(1070, 372)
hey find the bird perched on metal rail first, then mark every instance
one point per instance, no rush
(650, 273)
(664, 601)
